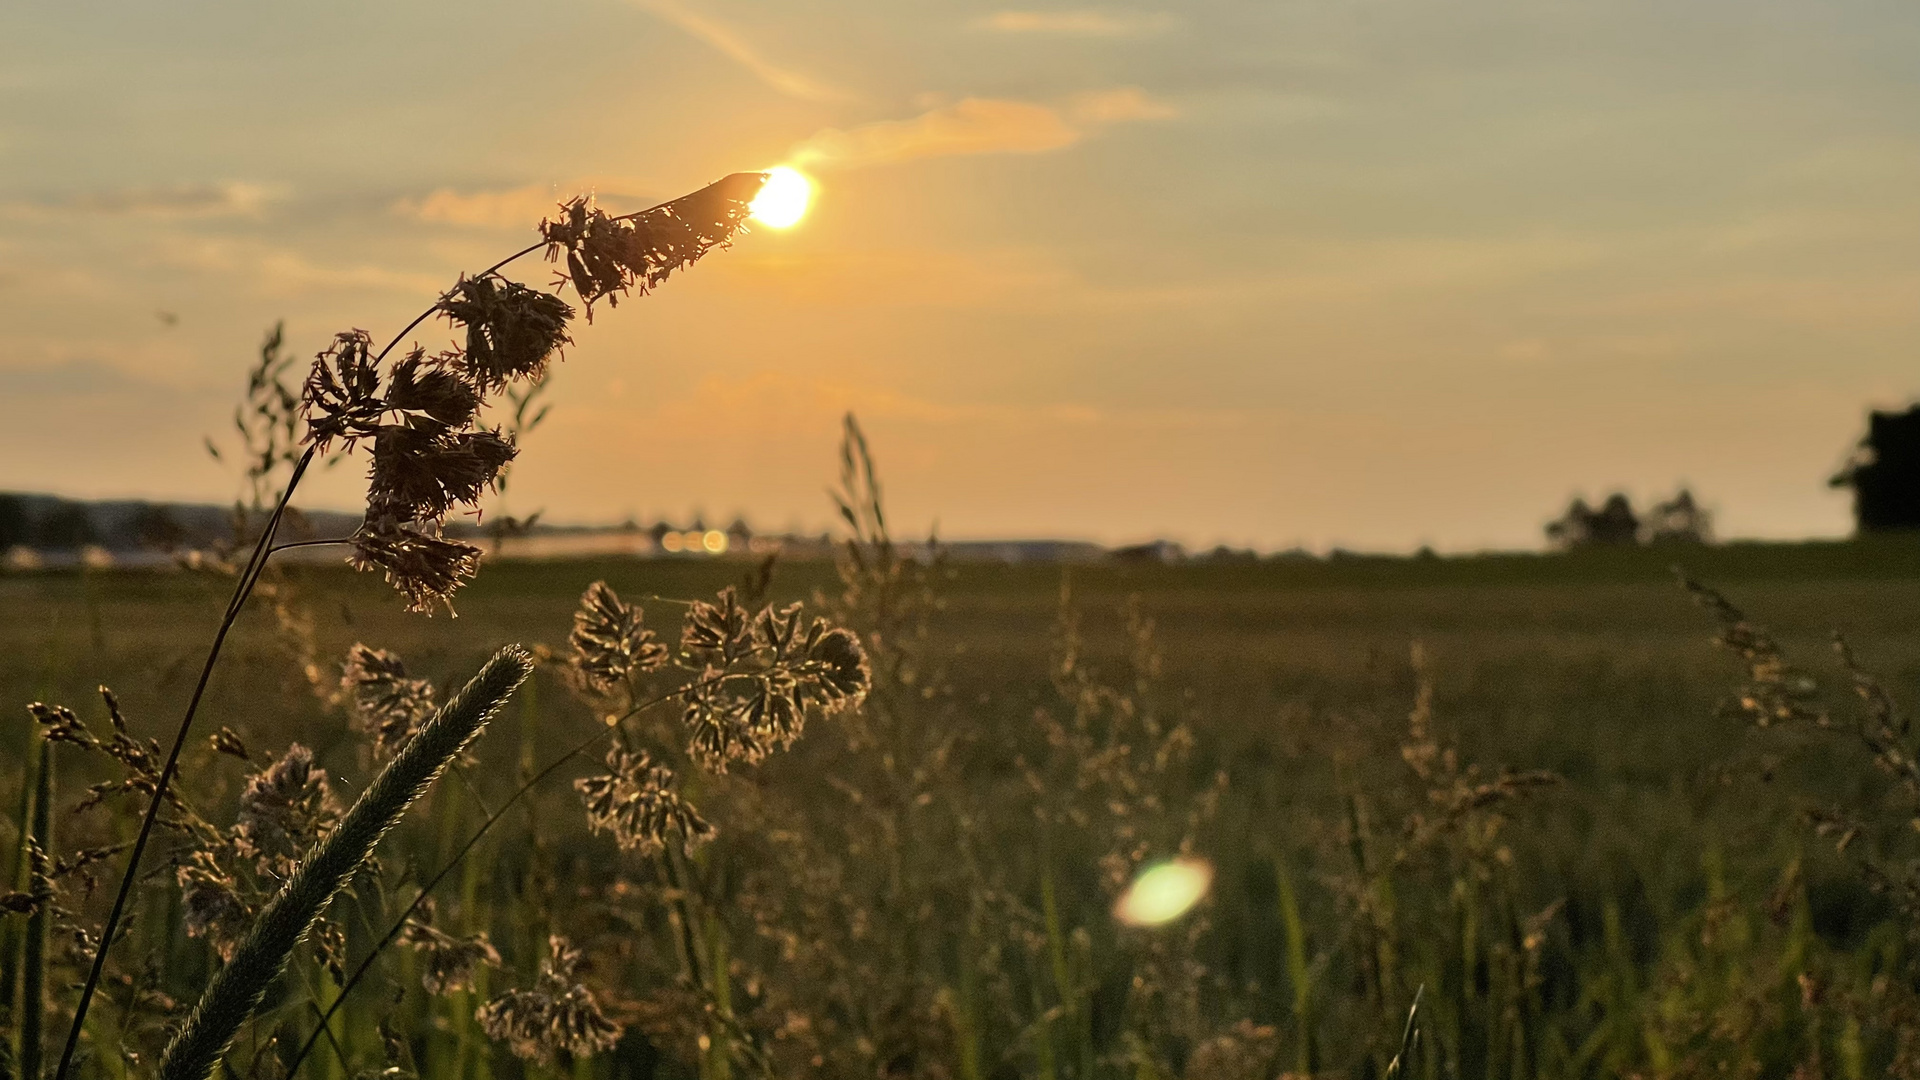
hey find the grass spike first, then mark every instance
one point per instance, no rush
(236, 991)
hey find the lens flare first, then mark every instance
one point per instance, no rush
(783, 198)
(1163, 892)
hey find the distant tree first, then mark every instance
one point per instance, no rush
(1884, 473)
(15, 526)
(68, 525)
(155, 527)
(1613, 525)
(1679, 520)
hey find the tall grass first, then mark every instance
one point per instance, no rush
(242, 982)
(851, 840)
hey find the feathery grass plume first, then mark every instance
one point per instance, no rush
(211, 901)
(607, 256)
(428, 455)
(285, 810)
(557, 1019)
(139, 762)
(451, 963)
(418, 561)
(638, 803)
(383, 701)
(609, 641)
(238, 988)
(512, 331)
(1776, 690)
(762, 676)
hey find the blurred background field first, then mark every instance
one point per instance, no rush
(1296, 680)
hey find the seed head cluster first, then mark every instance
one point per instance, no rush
(761, 676)
(450, 962)
(638, 803)
(383, 701)
(431, 455)
(609, 641)
(555, 1020)
(284, 811)
(608, 256)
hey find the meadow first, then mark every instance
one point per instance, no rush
(1506, 783)
(891, 816)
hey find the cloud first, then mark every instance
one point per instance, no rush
(1118, 106)
(976, 126)
(231, 198)
(733, 47)
(519, 207)
(1082, 22)
(511, 208)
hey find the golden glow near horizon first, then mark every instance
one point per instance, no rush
(783, 200)
(1163, 892)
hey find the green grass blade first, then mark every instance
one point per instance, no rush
(1299, 974)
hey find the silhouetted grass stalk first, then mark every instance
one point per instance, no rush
(249, 577)
(237, 990)
(33, 958)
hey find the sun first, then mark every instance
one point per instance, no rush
(783, 198)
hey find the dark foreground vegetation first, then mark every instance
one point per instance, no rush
(1527, 785)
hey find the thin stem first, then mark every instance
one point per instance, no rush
(290, 545)
(242, 589)
(428, 886)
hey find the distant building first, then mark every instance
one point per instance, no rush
(1884, 473)
(1159, 551)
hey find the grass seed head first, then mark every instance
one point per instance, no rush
(512, 331)
(639, 803)
(384, 702)
(557, 1019)
(609, 641)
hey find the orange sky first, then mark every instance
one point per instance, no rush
(1375, 273)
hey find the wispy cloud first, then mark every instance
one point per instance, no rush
(1118, 105)
(1081, 22)
(232, 198)
(520, 207)
(975, 126)
(503, 209)
(735, 48)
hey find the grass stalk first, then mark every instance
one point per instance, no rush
(33, 956)
(12, 937)
(237, 990)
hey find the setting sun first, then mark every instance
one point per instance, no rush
(783, 200)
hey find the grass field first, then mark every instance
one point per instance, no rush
(1662, 909)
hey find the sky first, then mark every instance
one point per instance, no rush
(1360, 273)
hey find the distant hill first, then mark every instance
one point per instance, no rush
(52, 523)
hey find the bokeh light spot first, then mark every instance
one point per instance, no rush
(1163, 892)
